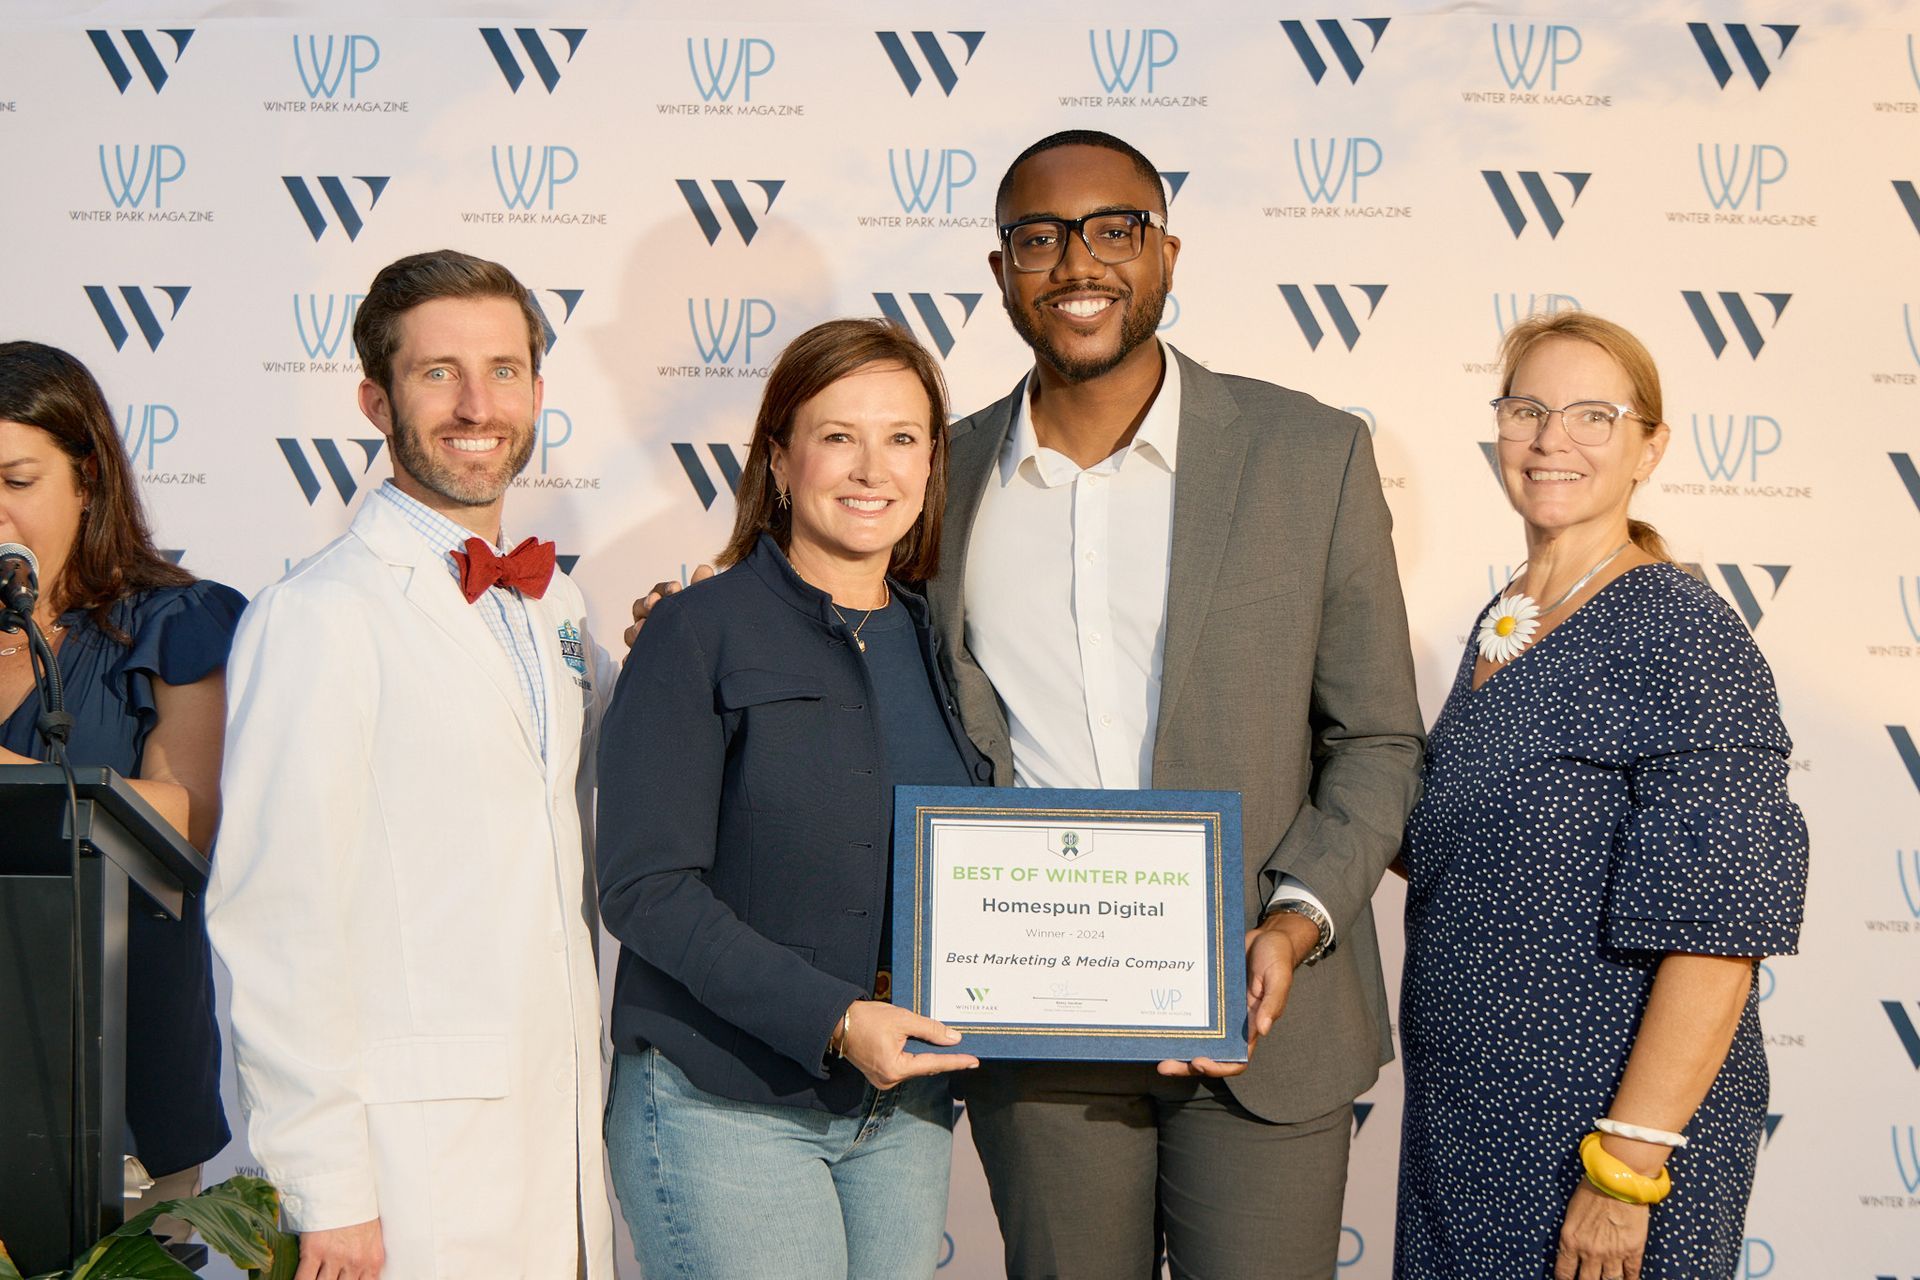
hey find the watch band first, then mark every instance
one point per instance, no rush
(1321, 921)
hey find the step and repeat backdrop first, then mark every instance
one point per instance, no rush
(195, 202)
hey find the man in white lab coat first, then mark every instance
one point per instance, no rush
(401, 888)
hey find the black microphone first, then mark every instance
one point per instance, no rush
(19, 581)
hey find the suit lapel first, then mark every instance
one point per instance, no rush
(1213, 449)
(429, 586)
(970, 467)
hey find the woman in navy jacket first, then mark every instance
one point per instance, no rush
(765, 1118)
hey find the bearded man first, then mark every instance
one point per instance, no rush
(402, 884)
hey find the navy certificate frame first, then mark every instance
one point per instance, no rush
(1066, 924)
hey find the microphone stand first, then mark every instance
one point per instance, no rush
(55, 724)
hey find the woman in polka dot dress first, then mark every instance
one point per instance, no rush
(1603, 851)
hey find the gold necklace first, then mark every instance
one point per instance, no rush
(50, 633)
(886, 598)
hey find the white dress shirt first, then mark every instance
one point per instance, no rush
(1066, 601)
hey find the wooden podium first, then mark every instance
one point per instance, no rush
(122, 840)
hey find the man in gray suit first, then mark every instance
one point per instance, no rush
(1157, 576)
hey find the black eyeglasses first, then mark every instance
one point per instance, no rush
(1112, 237)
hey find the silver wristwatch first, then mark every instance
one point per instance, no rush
(1321, 921)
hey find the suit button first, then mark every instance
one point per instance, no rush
(984, 771)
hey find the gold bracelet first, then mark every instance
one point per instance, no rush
(1610, 1176)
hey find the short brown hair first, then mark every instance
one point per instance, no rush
(1626, 351)
(811, 363)
(113, 554)
(423, 277)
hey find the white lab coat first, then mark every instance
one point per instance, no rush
(401, 896)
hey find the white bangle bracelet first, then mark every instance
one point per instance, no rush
(1639, 1133)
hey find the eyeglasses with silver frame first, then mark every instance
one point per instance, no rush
(1588, 422)
(1112, 236)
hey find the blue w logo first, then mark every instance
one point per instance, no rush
(1723, 453)
(1741, 591)
(1913, 339)
(569, 298)
(1120, 69)
(321, 72)
(928, 309)
(130, 182)
(1910, 605)
(1731, 181)
(537, 170)
(1342, 167)
(734, 330)
(1908, 1160)
(932, 179)
(1523, 65)
(1165, 998)
(1740, 36)
(735, 67)
(321, 333)
(1909, 754)
(537, 55)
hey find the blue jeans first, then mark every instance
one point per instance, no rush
(724, 1190)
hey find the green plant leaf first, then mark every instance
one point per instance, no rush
(7, 1270)
(131, 1257)
(239, 1218)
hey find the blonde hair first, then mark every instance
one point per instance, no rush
(1626, 351)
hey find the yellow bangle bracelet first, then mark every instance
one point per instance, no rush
(1610, 1176)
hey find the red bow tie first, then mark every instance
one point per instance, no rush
(528, 568)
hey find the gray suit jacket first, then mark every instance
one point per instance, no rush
(1287, 677)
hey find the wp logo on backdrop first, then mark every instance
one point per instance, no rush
(933, 178)
(324, 333)
(727, 192)
(133, 178)
(1346, 161)
(721, 335)
(535, 174)
(1534, 184)
(144, 429)
(1544, 51)
(1509, 311)
(139, 310)
(539, 57)
(145, 54)
(1334, 305)
(1121, 58)
(325, 69)
(335, 190)
(1740, 588)
(1739, 315)
(1728, 448)
(737, 66)
(1340, 46)
(933, 327)
(1744, 44)
(932, 53)
(1741, 171)
(724, 458)
(333, 463)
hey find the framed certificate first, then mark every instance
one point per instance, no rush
(1102, 925)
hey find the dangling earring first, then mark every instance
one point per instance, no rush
(780, 497)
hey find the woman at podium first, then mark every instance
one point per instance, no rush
(142, 650)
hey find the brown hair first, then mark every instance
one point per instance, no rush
(424, 277)
(811, 363)
(1626, 351)
(113, 553)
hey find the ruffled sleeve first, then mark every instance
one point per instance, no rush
(1712, 857)
(179, 635)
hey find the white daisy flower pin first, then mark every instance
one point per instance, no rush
(1508, 628)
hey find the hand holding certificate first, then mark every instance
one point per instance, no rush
(1073, 924)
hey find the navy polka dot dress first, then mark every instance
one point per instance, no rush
(1616, 792)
